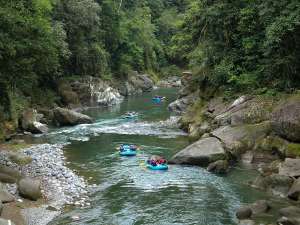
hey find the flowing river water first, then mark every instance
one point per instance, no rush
(127, 193)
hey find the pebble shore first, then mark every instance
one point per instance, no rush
(60, 185)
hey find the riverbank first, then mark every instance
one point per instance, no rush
(261, 131)
(60, 185)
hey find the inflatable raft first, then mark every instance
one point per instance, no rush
(157, 167)
(157, 100)
(127, 150)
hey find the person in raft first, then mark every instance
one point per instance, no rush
(131, 147)
(156, 160)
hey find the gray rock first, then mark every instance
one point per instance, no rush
(30, 122)
(200, 153)
(181, 105)
(259, 207)
(290, 167)
(219, 167)
(243, 213)
(66, 117)
(1, 207)
(286, 119)
(30, 188)
(240, 138)
(246, 222)
(288, 221)
(9, 175)
(291, 215)
(294, 192)
(6, 222)
(275, 184)
(5, 196)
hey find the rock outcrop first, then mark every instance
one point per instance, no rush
(66, 117)
(181, 105)
(136, 84)
(88, 91)
(237, 139)
(170, 82)
(201, 153)
(286, 119)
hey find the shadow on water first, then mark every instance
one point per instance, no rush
(126, 192)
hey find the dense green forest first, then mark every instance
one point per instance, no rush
(233, 46)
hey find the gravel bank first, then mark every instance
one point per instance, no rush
(60, 185)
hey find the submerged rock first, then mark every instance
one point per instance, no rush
(219, 167)
(243, 213)
(66, 117)
(275, 184)
(260, 206)
(200, 153)
(30, 188)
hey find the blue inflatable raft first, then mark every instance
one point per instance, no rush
(157, 100)
(157, 167)
(127, 150)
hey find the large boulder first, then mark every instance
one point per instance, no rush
(5, 196)
(30, 188)
(219, 167)
(238, 139)
(30, 122)
(290, 167)
(294, 192)
(286, 119)
(245, 110)
(66, 117)
(200, 153)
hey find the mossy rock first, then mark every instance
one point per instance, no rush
(20, 159)
(293, 150)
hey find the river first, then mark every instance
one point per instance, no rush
(127, 193)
